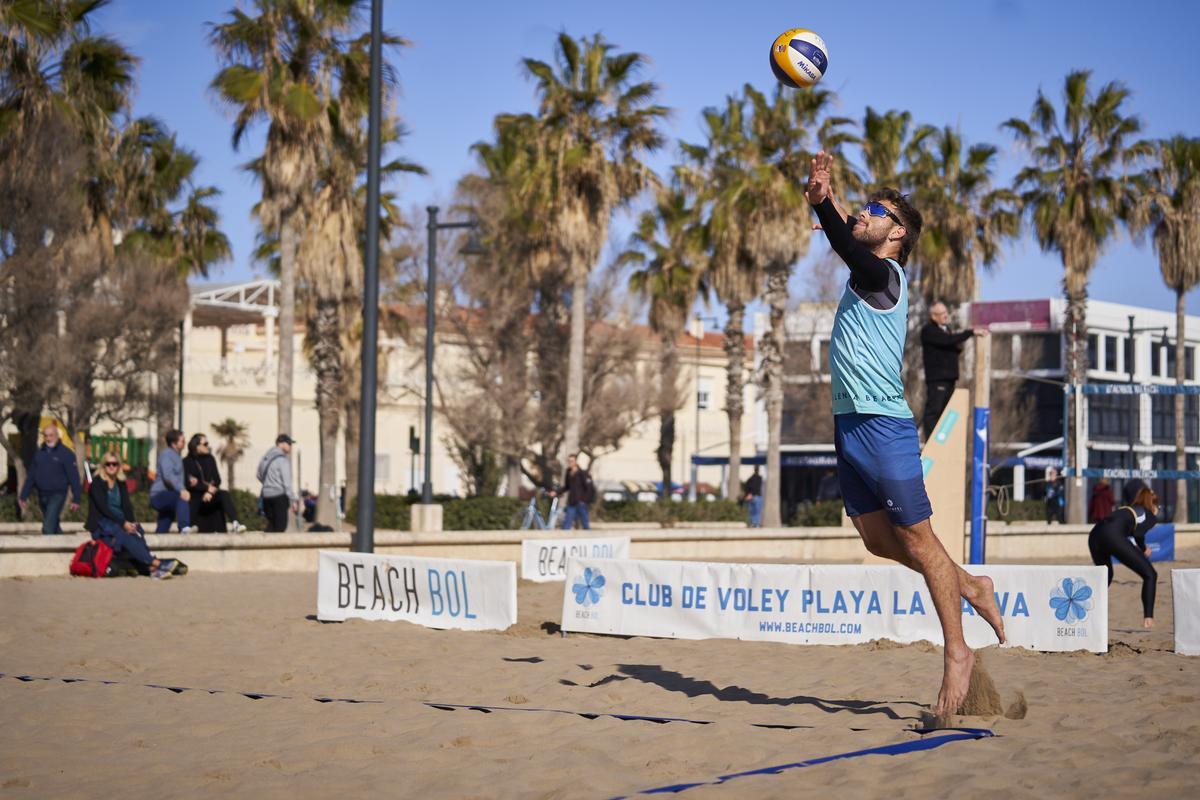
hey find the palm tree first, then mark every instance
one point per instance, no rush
(1167, 206)
(235, 438)
(60, 87)
(883, 143)
(281, 63)
(966, 220)
(714, 169)
(784, 134)
(596, 123)
(1072, 188)
(668, 243)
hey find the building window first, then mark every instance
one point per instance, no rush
(1156, 359)
(1130, 357)
(1110, 354)
(1170, 373)
(1041, 351)
(823, 363)
(1162, 419)
(383, 467)
(1110, 415)
(1093, 351)
(704, 393)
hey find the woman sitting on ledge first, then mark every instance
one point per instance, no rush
(110, 520)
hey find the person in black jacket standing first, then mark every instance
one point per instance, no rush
(940, 350)
(577, 485)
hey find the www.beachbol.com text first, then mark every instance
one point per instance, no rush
(793, 626)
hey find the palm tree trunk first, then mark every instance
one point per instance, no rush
(352, 435)
(327, 365)
(1076, 327)
(776, 297)
(229, 465)
(1181, 487)
(735, 371)
(574, 410)
(666, 410)
(287, 325)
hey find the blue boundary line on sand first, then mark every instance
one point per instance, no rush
(958, 735)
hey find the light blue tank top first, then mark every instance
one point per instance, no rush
(866, 353)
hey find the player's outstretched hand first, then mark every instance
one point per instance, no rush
(819, 178)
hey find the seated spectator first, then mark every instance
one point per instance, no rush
(210, 506)
(110, 520)
(169, 495)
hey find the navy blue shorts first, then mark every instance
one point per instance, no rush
(879, 467)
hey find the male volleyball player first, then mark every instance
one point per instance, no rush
(879, 458)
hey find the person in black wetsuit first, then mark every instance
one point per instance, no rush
(1110, 538)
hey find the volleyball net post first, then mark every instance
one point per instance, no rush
(979, 452)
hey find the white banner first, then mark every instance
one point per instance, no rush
(435, 592)
(1044, 607)
(545, 560)
(1185, 585)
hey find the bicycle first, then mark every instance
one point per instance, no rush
(530, 517)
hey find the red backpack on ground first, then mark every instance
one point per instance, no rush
(92, 560)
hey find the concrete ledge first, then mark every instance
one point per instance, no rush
(36, 555)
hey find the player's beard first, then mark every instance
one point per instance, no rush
(871, 240)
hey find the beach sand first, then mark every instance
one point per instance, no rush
(1126, 723)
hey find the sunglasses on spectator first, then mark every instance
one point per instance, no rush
(111, 464)
(877, 209)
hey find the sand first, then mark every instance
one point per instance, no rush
(1126, 723)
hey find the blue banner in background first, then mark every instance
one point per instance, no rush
(1161, 541)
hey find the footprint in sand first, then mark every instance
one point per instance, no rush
(517, 699)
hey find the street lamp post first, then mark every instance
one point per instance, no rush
(472, 247)
(364, 538)
(692, 493)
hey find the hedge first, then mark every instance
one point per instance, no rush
(245, 503)
(1019, 511)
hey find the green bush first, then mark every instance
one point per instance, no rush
(245, 503)
(823, 514)
(480, 513)
(1019, 511)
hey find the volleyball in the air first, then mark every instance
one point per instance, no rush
(799, 58)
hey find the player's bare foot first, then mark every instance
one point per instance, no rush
(955, 680)
(1148, 623)
(982, 597)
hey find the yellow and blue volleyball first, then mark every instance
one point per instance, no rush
(799, 58)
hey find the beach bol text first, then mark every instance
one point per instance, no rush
(441, 593)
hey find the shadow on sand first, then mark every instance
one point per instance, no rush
(692, 687)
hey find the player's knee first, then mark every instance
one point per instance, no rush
(1151, 574)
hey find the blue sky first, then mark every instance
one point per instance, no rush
(966, 63)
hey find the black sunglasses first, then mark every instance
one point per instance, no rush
(111, 464)
(877, 209)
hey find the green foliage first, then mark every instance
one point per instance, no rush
(823, 514)
(245, 503)
(480, 513)
(1019, 511)
(668, 513)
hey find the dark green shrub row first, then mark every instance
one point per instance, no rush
(246, 504)
(1018, 511)
(823, 514)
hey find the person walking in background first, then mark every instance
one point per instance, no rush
(110, 519)
(577, 483)
(940, 350)
(753, 494)
(52, 472)
(1110, 539)
(1103, 501)
(1056, 497)
(275, 475)
(211, 506)
(168, 494)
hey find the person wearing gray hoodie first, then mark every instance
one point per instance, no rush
(275, 475)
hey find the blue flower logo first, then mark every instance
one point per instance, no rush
(587, 591)
(1072, 600)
